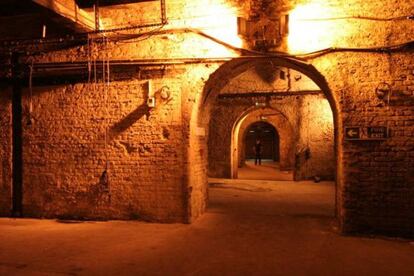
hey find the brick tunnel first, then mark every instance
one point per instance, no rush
(124, 109)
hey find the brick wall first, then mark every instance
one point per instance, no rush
(65, 153)
(377, 195)
(5, 151)
(314, 154)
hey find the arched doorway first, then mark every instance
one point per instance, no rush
(268, 166)
(269, 140)
(281, 125)
(217, 83)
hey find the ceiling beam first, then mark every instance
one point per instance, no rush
(102, 3)
(71, 14)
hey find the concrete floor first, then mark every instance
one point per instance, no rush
(250, 228)
(268, 170)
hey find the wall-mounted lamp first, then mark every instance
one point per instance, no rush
(162, 94)
(165, 92)
(383, 90)
(264, 33)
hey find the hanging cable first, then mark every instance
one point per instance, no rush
(89, 60)
(94, 68)
(106, 86)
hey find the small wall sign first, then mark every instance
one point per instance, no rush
(377, 133)
(352, 133)
(366, 133)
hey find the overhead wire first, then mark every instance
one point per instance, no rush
(93, 37)
(369, 18)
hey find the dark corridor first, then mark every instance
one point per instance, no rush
(269, 138)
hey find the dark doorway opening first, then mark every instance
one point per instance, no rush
(268, 137)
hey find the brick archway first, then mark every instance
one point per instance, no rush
(196, 178)
(275, 118)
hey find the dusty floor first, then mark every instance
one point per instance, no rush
(250, 228)
(268, 170)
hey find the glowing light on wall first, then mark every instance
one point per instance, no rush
(214, 18)
(308, 31)
(324, 112)
(219, 21)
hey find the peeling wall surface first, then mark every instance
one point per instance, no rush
(95, 147)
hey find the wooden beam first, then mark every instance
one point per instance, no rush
(69, 10)
(89, 3)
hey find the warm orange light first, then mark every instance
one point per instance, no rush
(308, 31)
(325, 112)
(219, 21)
(214, 18)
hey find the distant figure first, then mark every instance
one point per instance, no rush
(258, 151)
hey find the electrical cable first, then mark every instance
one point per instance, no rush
(175, 61)
(241, 50)
(305, 56)
(178, 61)
(146, 35)
(378, 49)
(399, 18)
(89, 60)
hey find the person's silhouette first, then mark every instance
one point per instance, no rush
(258, 151)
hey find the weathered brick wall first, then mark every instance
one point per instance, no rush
(378, 193)
(375, 179)
(196, 187)
(194, 143)
(65, 152)
(314, 154)
(5, 151)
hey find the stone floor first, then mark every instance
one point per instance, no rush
(250, 228)
(268, 170)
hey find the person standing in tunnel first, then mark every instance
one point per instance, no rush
(258, 151)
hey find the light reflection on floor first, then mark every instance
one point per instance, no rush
(268, 170)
